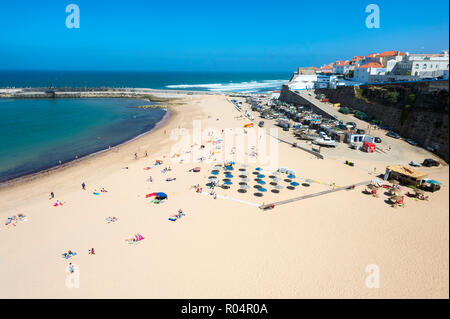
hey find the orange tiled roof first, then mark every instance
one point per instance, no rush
(372, 55)
(342, 62)
(357, 57)
(370, 65)
(391, 53)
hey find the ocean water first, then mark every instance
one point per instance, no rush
(36, 134)
(250, 82)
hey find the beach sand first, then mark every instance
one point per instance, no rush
(314, 248)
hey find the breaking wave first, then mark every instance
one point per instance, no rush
(246, 87)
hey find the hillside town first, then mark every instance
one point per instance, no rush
(385, 67)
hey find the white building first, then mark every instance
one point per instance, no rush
(303, 79)
(422, 65)
(323, 81)
(342, 67)
(369, 73)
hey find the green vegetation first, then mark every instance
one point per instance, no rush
(344, 110)
(392, 97)
(362, 116)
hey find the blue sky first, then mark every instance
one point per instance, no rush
(211, 35)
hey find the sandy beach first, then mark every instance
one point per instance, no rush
(225, 247)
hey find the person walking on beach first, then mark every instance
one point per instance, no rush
(146, 155)
(52, 195)
(135, 156)
(83, 186)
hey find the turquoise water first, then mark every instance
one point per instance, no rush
(36, 134)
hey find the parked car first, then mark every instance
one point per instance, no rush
(412, 142)
(261, 123)
(430, 162)
(352, 124)
(392, 134)
(377, 140)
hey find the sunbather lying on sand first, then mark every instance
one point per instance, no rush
(111, 219)
(58, 203)
(170, 179)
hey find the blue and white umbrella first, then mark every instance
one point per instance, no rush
(295, 184)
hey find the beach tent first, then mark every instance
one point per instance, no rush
(248, 125)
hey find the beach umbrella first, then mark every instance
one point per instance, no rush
(276, 179)
(226, 180)
(215, 172)
(261, 182)
(245, 179)
(242, 191)
(273, 183)
(212, 179)
(295, 184)
(276, 173)
(276, 191)
(243, 176)
(262, 189)
(161, 195)
(257, 186)
(228, 176)
(228, 183)
(229, 168)
(258, 169)
(287, 180)
(309, 180)
(272, 176)
(261, 176)
(258, 194)
(305, 184)
(279, 187)
(242, 183)
(291, 176)
(244, 187)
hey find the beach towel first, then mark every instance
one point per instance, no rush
(173, 219)
(96, 193)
